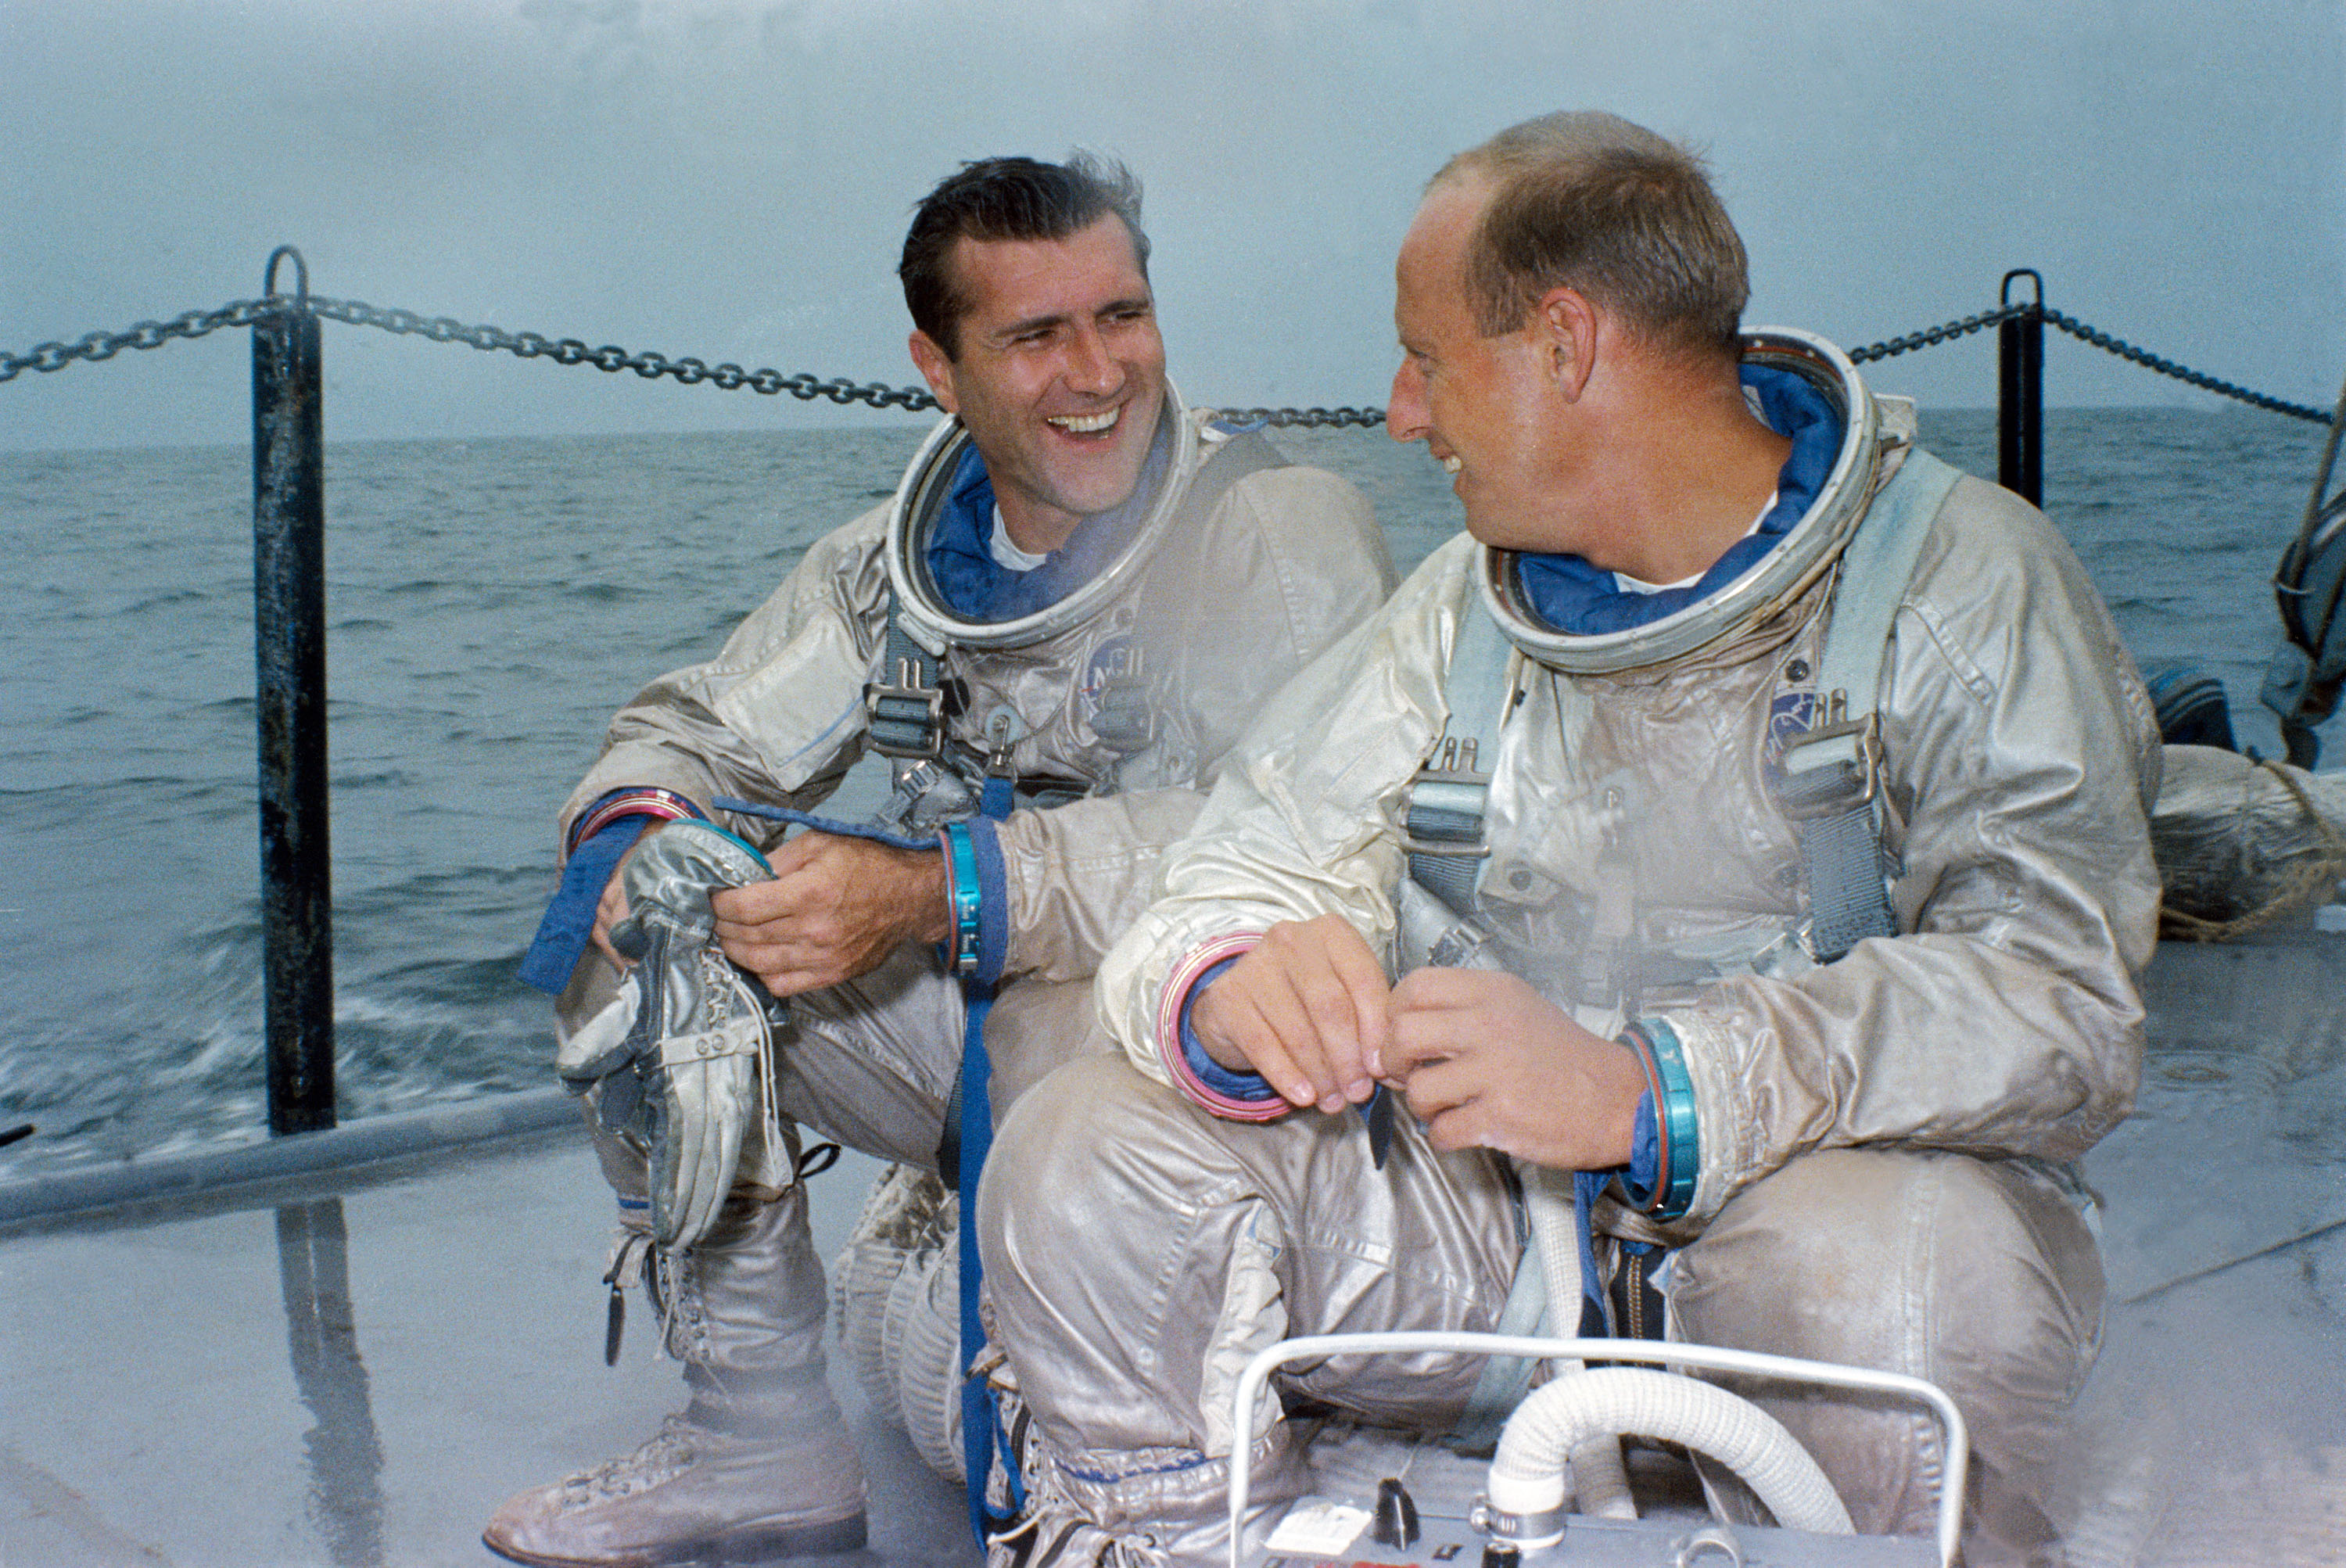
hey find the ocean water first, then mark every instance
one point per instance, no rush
(491, 602)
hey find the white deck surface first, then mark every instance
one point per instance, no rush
(150, 1414)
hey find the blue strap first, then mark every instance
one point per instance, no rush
(562, 935)
(980, 1429)
(820, 824)
(981, 1434)
(978, 1425)
(997, 795)
(1586, 1187)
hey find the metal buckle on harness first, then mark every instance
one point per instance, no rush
(998, 756)
(905, 720)
(1830, 790)
(1446, 799)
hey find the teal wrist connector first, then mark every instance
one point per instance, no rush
(962, 889)
(1674, 1113)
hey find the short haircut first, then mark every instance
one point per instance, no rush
(999, 199)
(1589, 201)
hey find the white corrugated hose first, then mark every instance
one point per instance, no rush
(1527, 1474)
(1598, 1479)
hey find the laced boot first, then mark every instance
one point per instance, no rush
(760, 1465)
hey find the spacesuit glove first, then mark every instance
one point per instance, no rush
(701, 1031)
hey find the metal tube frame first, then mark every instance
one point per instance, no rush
(1670, 1356)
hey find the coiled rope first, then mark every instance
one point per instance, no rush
(691, 371)
(2313, 880)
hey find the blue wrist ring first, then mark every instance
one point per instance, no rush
(1674, 1109)
(961, 888)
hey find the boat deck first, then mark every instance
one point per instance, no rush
(237, 1384)
(238, 1388)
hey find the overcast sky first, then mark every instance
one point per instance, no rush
(731, 178)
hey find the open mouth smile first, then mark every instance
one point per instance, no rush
(1088, 424)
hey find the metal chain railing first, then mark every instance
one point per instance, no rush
(1305, 418)
(1949, 332)
(145, 335)
(2150, 361)
(1889, 348)
(609, 358)
(443, 330)
(728, 377)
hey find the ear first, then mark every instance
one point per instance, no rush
(1567, 325)
(936, 369)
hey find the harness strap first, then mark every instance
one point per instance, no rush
(1505, 1379)
(903, 710)
(1832, 781)
(980, 1424)
(1443, 814)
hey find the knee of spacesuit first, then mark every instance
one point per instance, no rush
(1036, 1027)
(1978, 1274)
(1132, 1273)
(1124, 1249)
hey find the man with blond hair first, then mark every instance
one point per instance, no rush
(1770, 802)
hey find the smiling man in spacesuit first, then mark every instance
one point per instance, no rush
(1753, 812)
(1078, 597)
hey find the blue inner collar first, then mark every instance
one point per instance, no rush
(1567, 594)
(978, 587)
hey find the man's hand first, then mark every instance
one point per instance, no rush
(1306, 1009)
(612, 907)
(836, 909)
(1486, 1062)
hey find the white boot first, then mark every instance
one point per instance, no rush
(760, 1465)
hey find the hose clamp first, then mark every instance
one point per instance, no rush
(1545, 1528)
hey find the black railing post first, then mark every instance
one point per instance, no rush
(289, 613)
(2020, 393)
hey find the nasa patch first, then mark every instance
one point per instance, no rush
(1111, 661)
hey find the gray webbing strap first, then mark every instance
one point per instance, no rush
(905, 709)
(1832, 781)
(1842, 856)
(1442, 816)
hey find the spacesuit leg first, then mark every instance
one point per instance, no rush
(1138, 1252)
(1978, 1274)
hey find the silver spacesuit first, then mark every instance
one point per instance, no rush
(1223, 588)
(1880, 1146)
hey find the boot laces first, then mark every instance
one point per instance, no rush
(670, 1452)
